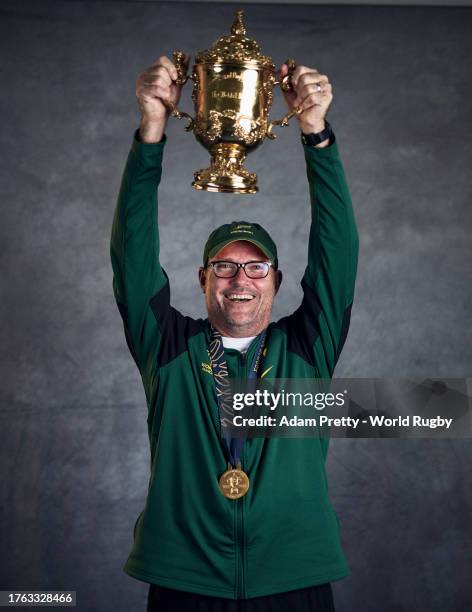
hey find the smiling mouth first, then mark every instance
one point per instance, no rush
(239, 297)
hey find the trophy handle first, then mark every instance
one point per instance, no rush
(285, 85)
(286, 82)
(181, 79)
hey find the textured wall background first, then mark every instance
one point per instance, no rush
(74, 455)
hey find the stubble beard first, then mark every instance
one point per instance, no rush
(250, 325)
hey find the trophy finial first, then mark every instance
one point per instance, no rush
(238, 28)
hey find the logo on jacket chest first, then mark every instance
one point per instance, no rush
(206, 368)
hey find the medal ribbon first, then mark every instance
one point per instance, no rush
(233, 446)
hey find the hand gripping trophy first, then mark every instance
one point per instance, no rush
(232, 94)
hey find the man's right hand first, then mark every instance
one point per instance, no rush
(154, 85)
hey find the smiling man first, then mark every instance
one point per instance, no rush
(230, 524)
(240, 290)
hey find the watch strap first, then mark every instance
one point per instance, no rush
(312, 139)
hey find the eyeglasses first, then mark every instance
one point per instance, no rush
(229, 269)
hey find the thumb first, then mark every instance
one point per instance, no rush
(283, 71)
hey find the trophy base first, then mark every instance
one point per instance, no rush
(226, 173)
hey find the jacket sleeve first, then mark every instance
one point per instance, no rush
(137, 273)
(329, 279)
(317, 330)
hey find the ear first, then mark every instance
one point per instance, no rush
(202, 278)
(278, 280)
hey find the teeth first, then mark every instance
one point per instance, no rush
(240, 296)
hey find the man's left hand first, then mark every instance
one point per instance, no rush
(314, 102)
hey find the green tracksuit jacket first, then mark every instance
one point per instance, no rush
(283, 534)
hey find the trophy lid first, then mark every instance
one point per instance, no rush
(235, 48)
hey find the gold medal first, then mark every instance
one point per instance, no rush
(234, 483)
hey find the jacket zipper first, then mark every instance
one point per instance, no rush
(241, 582)
(239, 515)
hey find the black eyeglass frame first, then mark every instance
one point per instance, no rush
(269, 264)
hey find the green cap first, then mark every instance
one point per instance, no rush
(240, 230)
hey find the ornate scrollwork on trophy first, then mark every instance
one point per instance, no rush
(235, 48)
(195, 88)
(267, 90)
(227, 167)
(245, 128)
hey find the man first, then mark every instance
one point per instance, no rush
(277, 546)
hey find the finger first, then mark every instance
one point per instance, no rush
(310, 88)
(160, 79)
(309, 101)
(151, 81)
(282, 71)
(299, 70)
(160, 91)
(312, 77)
(315, 99)
(163, 93)
(163, 60)
(156, 73)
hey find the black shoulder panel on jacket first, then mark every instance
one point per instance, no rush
(344, 329)
(124, 315)
(301, 327)
(174, 327)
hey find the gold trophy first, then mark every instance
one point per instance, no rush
(232, 94)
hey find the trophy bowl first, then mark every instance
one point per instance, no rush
(232, 95)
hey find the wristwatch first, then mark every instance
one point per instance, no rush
(312, 140)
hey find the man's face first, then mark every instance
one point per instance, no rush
(239, 306)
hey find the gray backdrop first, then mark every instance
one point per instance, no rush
(74, 450)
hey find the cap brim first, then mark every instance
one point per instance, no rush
(217, 248)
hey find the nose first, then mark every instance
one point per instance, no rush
(241, 279)
(240, 272)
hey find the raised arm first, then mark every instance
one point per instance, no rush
(138, 276)
(329, 279)
(322, 321)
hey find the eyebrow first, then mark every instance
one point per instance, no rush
(230, 260)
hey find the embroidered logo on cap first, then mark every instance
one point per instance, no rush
(243, 229)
